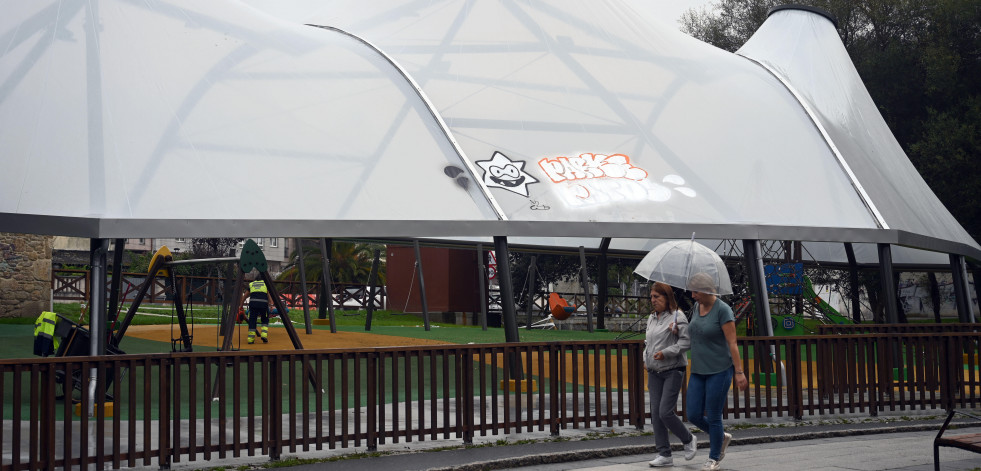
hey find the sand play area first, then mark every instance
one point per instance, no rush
(207, 336)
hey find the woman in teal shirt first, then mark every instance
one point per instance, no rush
(714, 362)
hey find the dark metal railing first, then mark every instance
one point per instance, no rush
(838, 329)
(168, 408)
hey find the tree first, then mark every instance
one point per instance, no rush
(921, 63)
(211, 248)
(350, 262)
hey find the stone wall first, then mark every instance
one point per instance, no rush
(25, 274)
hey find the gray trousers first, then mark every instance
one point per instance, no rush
(664, 388)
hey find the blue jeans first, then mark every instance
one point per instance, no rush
(707, 395)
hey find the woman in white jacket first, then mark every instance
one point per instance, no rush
(664, 358)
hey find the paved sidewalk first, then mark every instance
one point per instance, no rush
(908, 451)
(904, 445)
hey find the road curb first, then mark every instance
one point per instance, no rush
(617, 451)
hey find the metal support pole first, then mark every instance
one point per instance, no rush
(603, 282)
(531, 291)
(98, 249)
(422, 285)
(757, 282)
(116, 282)
(303, 285)
(888, 283)
(372, 279)
(976, 273)
(962, 295)
(761, 304)
(510, 319)
(482, 281)
(853, 282)
(584, 276)
(326, 249)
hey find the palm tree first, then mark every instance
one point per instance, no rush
(350, 262)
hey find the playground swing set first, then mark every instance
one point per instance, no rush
(75, 339)
(558, 308)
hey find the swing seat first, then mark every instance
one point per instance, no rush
(560, 308)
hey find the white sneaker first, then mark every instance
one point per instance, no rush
(726, 438)
(661, 461)
(690, 449)
(711, 465)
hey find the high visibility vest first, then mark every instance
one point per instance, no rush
(258, 292)
(44, 327)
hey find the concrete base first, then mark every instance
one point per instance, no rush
(513, 385)
(108, 406)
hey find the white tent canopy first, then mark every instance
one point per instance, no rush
(564, 119)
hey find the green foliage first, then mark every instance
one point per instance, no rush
(921, 63)
(350, 262)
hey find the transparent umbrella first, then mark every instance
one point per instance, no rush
(687, 265)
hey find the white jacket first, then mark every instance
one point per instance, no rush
(660, 338)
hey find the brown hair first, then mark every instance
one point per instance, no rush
(668, 293)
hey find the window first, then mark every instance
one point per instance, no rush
(142, 241)
(180, 239)
(259, 241)
(274, 242)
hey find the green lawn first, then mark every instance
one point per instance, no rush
(17, 334)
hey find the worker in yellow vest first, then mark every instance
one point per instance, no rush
(45, 341)
(258, 307)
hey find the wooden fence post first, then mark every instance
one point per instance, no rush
(372, 406)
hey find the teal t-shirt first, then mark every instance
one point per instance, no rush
(709, 350)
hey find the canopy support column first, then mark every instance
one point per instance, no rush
(761, 301)
(888, 284)
(372, 280)
(531, 291)
(327, 248)
(422, 285)
(603, 283)
(757, 284)
(116, 283)
(962, 297)
(98, 249)
(853, 283)
(976, 272)
(584, 276)
(303, 285)
(482, 288)
(510, 318)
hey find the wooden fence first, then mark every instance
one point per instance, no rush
(74, 285)
(169, 408)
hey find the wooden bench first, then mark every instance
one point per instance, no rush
(969, 441)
